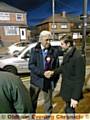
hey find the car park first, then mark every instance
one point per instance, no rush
(17, 47)
(19, 62)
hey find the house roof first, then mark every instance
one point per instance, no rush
(8, 8)
(57, 18)
(67, 18)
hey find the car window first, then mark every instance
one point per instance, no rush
(19, 44)
(27, 54)
(16, 44)
(26, 43)
(23, 44)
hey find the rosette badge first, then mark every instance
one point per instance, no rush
(48, 59)
(47, 63)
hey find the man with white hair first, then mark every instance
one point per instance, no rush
(43, 58)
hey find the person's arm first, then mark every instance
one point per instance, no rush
(57, 69)
(79, 77)
(54, 72)
(33, 64)
(21, 97)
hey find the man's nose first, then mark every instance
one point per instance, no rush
(48, 41)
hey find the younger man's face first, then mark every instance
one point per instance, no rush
(64, 45)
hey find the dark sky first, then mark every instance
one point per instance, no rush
(25, 4)
(38, 10)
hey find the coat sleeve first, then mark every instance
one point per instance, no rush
(21, 97)
(80, 77)
(55, 76)
(57, 69)
(33, 64)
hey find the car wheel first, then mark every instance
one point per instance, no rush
(11, 69)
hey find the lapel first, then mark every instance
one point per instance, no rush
(68, 55)
(40, 54)
(51, 54)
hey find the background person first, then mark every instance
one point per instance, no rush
(43, 58)
(14, 97)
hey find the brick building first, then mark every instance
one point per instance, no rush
(13, 24)
(64, 24)
(61, 26)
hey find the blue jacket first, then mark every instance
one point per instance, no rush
(36, 67)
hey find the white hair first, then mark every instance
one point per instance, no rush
(44, 33)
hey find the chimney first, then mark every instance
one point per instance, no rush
(63, 14)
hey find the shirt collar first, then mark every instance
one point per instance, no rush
(42, 47)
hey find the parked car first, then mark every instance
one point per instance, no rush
(17, 47)
(19, 63)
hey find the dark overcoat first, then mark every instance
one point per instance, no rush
(36, 67)
(73, 75)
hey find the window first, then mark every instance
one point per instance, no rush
(11, 30)
(4, 16)
(64, 26)
(53, 26)
(19, 17)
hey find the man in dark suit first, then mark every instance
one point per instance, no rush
(14, 97)
(43, 58)
(73, 74)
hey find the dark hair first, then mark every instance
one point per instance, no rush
(67, 39)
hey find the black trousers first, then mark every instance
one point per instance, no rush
(70, 111)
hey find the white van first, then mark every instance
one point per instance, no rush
(19, 63)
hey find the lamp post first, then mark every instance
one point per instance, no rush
(53, 18)
(84, 17)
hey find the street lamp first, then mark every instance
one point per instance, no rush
(53, 18)
(84, 17)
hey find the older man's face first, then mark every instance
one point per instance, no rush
(45, 41)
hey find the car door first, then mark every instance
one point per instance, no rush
(24, 64)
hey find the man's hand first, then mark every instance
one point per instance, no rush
(73, 103)
(48, 73)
